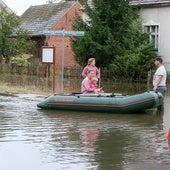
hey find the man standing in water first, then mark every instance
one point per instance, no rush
(159, 78)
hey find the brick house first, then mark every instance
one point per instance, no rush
(154, 14)
(55, 16)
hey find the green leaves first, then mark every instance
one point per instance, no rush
(115, 38)
(21, 60)
(13, 40)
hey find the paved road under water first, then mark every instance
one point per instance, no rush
(35, 139)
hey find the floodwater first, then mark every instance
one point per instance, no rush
(35, 139)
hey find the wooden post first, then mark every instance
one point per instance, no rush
(54, 73)
(42, 76)
(48, 57)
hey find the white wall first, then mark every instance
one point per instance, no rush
(161, 16)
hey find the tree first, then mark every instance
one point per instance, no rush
(50, 1)
(112, 37)
(137, 58)
(13, 40)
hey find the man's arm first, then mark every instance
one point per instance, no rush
(158, 82)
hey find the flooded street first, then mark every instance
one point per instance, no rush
(35, 139)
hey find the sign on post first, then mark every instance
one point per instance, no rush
(63, 33)
(48, 55)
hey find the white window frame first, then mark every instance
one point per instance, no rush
(86, 19)
(155, 34)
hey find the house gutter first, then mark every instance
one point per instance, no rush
(150, 3)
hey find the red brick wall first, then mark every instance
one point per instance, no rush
(64, 23)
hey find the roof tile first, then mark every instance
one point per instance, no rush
(42, 17)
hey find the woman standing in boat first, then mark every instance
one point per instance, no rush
(91, 66)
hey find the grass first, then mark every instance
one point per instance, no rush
(22, 90)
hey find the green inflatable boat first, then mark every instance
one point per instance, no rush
(107, 102)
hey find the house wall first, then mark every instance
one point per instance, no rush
(65, 23)
(160, 15)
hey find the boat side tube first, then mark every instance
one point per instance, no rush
(107, 103)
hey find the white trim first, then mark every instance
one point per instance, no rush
(152, 23)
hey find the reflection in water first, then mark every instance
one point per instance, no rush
(32, 138)
(89, 136)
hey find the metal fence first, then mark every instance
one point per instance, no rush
(32, 77)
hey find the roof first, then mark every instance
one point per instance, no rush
(150, 2)
(42, 17)
(2, 4)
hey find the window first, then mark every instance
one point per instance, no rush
(153, 31)
(86, 19)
